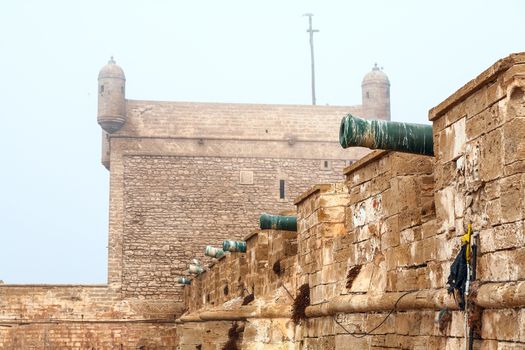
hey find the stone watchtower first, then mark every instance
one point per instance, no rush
(111, 114)
(111, 97)
(187, 174)
(376, 95)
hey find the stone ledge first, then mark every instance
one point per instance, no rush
(311, 191)
(250, 235)
(474, 85)
(369, 158)
(9, 285)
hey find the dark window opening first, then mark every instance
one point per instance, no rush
(325, 165)
(122, 89)
(101, 89)
(281, 189)
(367, 94)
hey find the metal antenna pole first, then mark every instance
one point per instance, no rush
(312, 31)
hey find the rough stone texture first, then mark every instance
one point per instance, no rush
(180, 179)
(82, 317)
(67, 336)
(178, 205)
(183, 175)
(176, 180)
(321, 218)
(209, 335)
(398, 218)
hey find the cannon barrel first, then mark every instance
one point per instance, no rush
(183, 280)
(213, 252)
(277, 222)
(234, 246)
(386, 135)
(195, 269)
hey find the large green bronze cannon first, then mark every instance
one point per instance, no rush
(386, 135)
(277, 222)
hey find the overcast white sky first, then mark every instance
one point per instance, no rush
(53, 190)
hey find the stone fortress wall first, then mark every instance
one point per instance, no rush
(182, 175)
(384, 239)
(381, 237)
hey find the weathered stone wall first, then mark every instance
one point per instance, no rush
(390, 223)
(184, 175)
(321, 217)
(175, 206)
(236, 275)
(376, 251)
(205, 336)
(378, 247)
(275, 265)
(240, 121)
(82, 317)
(478, 141)
(340, 226)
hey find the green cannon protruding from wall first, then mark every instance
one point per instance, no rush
(234, 246)
(213, 252)
(183, 280)
(386, 135)
(278, 222)
(195, 269)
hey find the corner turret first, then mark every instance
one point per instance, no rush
(111, 97)
(376, 94)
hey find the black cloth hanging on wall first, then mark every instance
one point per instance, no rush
(457, 278)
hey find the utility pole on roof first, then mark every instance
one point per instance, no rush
(312, 31)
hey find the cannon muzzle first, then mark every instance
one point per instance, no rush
(183, 280)
(234, 246)
(277, 222)
(195, 269)
(386, 135)
(213, 252)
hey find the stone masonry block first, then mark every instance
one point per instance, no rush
(484, 122)
(390, 235)
(501, 237)
(501, 324)
(452, 141)
(504, 265)
(513, 136)
(390, 202)
(409, 218)
(444, 174)
(445, 209)
(407, 188)
(410, 164)
(512, 198)
(332, 214)
(491, 155)
(339, 200)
